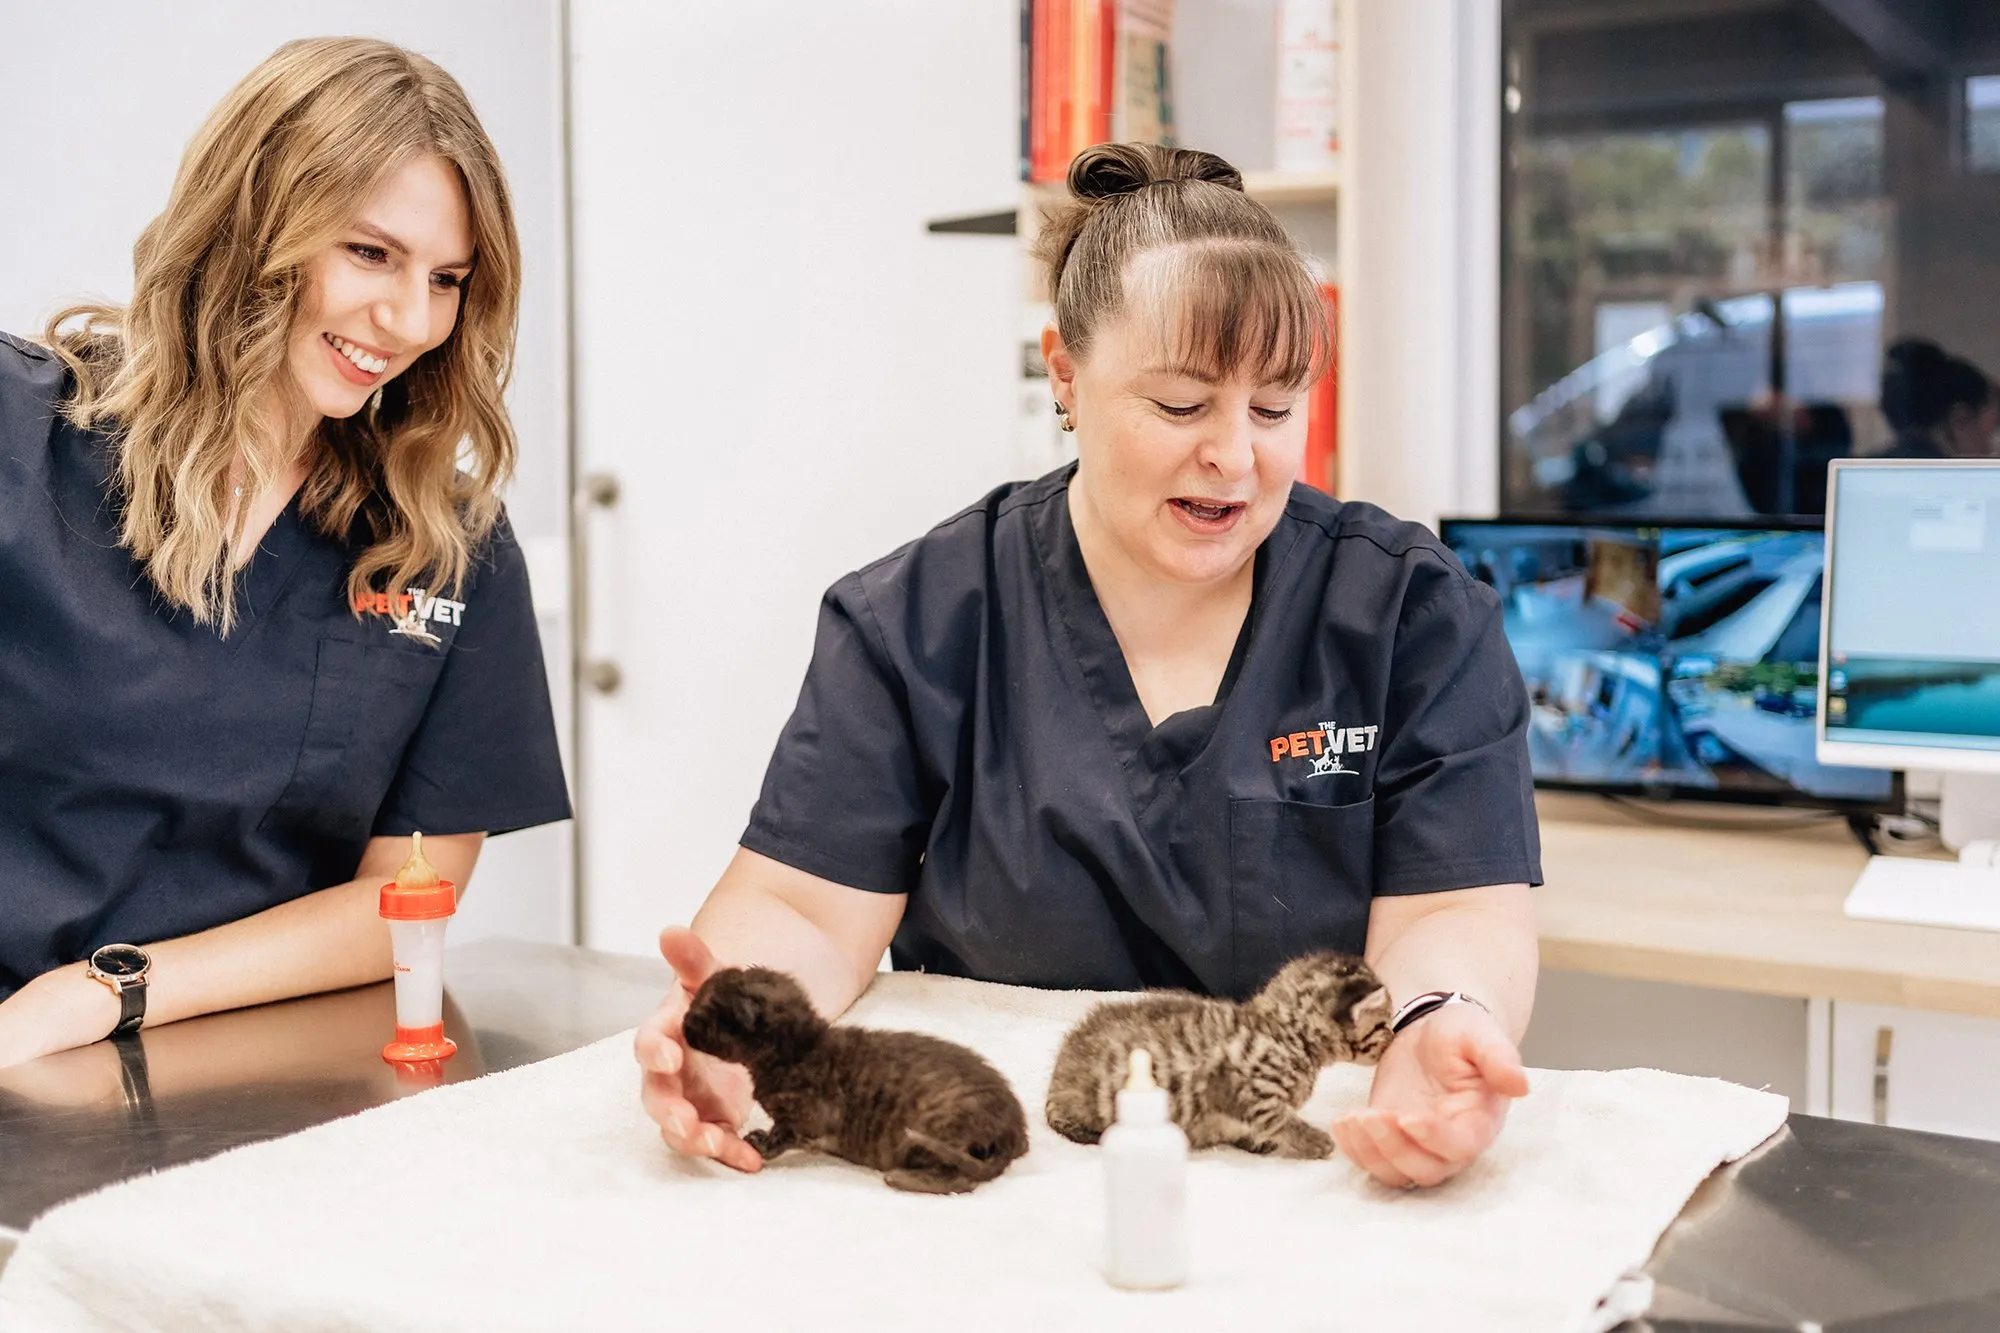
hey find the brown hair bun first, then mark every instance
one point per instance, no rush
(1111, 169)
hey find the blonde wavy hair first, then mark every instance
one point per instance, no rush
(194, 368)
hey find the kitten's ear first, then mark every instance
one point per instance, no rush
(1374, 1008)
(745, 1010)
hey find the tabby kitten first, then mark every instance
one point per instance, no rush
(1235, 1073)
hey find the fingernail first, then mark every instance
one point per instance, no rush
(677, 1126)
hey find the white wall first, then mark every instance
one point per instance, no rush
(788, 376)
(101, 99)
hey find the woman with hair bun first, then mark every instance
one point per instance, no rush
(1161, 718)
(263, 615)
(1939, 405)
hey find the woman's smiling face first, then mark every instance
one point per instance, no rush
(1188, 474)
(386, 290)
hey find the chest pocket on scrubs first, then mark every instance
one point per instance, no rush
(1301, 878)
(367, 700)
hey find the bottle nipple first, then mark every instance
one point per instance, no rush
(417, 873)
(1140, 1079)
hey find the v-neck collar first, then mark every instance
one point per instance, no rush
(259, 583)
(1146, 752)
(269, 571)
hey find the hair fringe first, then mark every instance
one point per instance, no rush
(1171, 230)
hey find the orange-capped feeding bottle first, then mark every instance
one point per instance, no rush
(418, 905)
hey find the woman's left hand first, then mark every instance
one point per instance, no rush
(1440, 1096)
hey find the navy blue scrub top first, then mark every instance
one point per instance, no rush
(157, 780)
(968, 734)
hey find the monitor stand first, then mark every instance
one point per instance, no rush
(1968, 808)
(1922, 892)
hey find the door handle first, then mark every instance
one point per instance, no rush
(1885, 1039)
(594, 491)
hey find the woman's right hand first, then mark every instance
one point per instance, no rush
(698, 1101)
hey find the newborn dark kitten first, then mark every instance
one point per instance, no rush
(1234, 1073)
(929, 1113)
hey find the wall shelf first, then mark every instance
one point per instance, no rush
(1292, 187)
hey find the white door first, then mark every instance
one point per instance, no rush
(784, 374)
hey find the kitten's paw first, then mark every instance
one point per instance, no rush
(1072, 1120)
(1077, 1132)
(1306, 1142)
(915, 1181)
(764, 1143)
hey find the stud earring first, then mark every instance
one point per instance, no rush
(1063, 412)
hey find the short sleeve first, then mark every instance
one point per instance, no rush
(484, 757)
(843, 797)
(1454, 795)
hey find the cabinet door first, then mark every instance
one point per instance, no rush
(1917, 1069)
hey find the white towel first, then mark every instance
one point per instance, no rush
(542, 1199)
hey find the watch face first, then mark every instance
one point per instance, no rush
(120, 960)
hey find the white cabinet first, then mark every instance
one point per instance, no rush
(1591, 1022)
(1916, 1069)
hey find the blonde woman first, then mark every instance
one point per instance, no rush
(261, 615)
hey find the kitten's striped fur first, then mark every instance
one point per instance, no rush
(1235, 1073)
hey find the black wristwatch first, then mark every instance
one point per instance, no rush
(124, 967)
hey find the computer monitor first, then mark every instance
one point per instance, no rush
(1668, 660)
(1910, 666)
(1910, 644)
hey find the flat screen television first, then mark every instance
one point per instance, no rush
(1669, 659)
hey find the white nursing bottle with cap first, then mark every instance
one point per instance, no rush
(1145, 1187)
(418, 905)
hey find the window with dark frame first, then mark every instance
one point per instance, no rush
(1740, 239)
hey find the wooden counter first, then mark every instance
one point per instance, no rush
(1749, 909)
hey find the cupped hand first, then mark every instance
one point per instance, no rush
(1440, 1096)
(699, 1102)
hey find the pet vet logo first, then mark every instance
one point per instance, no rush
(412, 611)
(1325, 748)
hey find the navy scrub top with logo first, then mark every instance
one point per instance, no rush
(157, 780)
(968, 734)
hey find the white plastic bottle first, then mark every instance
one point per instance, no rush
(1145, 1187)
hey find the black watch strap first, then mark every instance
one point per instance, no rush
(131, 1007)
(1428, 1003)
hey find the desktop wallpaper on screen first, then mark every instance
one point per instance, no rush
(1667, 659)
(1914, 657)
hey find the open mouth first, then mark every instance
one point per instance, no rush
(1207, 513)
(357, 363)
